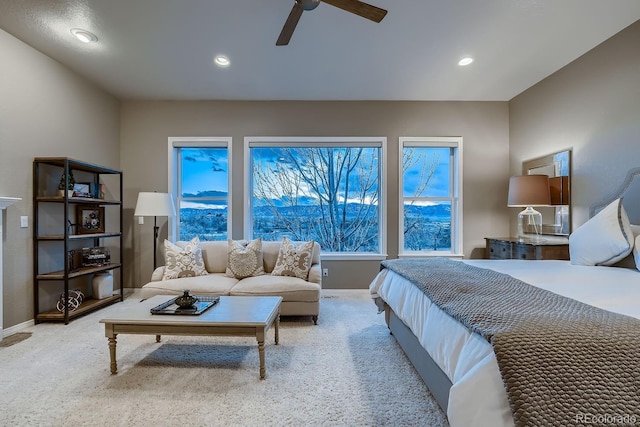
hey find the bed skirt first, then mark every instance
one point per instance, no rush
(434, 378)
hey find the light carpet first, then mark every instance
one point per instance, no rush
(346, 371)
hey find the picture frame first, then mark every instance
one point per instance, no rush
(89, 219)
(82, 189)
(74, 260)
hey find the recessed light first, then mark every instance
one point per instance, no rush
(222, 61)
(83, 35)
(465, 61)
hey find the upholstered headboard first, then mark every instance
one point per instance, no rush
(630, 193)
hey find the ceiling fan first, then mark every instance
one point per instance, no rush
(354, 6)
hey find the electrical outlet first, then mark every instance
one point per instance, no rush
(325, 272)
(140, 220)
(24, 222)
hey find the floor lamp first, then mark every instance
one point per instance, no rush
(526, 191)
(155, 205)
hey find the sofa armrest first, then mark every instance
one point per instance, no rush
(315, 274)
(157, 274)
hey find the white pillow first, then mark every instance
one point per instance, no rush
(636, 252)
(603, 240)
(294, 259)
(629, 261)
(185, 261)
(244, 260)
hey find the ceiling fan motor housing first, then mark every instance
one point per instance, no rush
(308, 4)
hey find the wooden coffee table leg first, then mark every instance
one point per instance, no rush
(260, 336)
(157, 338)
(261, 352)
(112, 354)
(277, 327)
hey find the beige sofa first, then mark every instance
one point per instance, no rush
(299, 297)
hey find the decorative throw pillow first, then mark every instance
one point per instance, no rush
(636, 250)
(244, 261)
(294, 260)
(185, 261)
(630, 261)
(603, 240)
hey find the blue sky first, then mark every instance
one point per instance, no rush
(206, 170)
(439, 182)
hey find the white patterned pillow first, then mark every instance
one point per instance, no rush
(604, 239)
(294, 260)
(635, 253)
(185, 261)
(244, 260)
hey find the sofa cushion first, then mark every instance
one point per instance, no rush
(294, 259)
(289, 288)
(184, 260)
(270, 251)
(214, 254)
(211, 284)
(244, 259)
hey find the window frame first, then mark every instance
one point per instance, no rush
(455, 197)
(174, 174)
(374, 142)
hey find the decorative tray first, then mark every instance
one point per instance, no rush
(170, 307)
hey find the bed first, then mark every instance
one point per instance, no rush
(459, 364)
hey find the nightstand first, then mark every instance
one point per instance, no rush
(517, 248)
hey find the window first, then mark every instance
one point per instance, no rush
(326, 189)
(199, 178)
(430, 196)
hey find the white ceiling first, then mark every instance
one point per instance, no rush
(164, 49)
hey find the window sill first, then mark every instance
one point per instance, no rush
(429, 255)
(337, 256)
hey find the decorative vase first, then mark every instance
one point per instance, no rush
(102, 285)
(186, 300)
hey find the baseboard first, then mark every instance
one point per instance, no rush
(17, 328)
(24, 325)
(131, 291)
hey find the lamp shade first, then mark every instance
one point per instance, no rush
(154, 204)
(529, 190)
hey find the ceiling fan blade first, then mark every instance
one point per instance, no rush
(359, 8)
(290, 25)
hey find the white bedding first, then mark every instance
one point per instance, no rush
(477, 396)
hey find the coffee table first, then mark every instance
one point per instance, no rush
(231, 316)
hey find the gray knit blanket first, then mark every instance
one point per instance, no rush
(563, 362)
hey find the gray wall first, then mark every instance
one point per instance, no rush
(591, 106)
(146, 126)
(45, 110)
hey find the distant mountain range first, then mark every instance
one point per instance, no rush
(437, 212)
(210, 193)
(307, 207)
